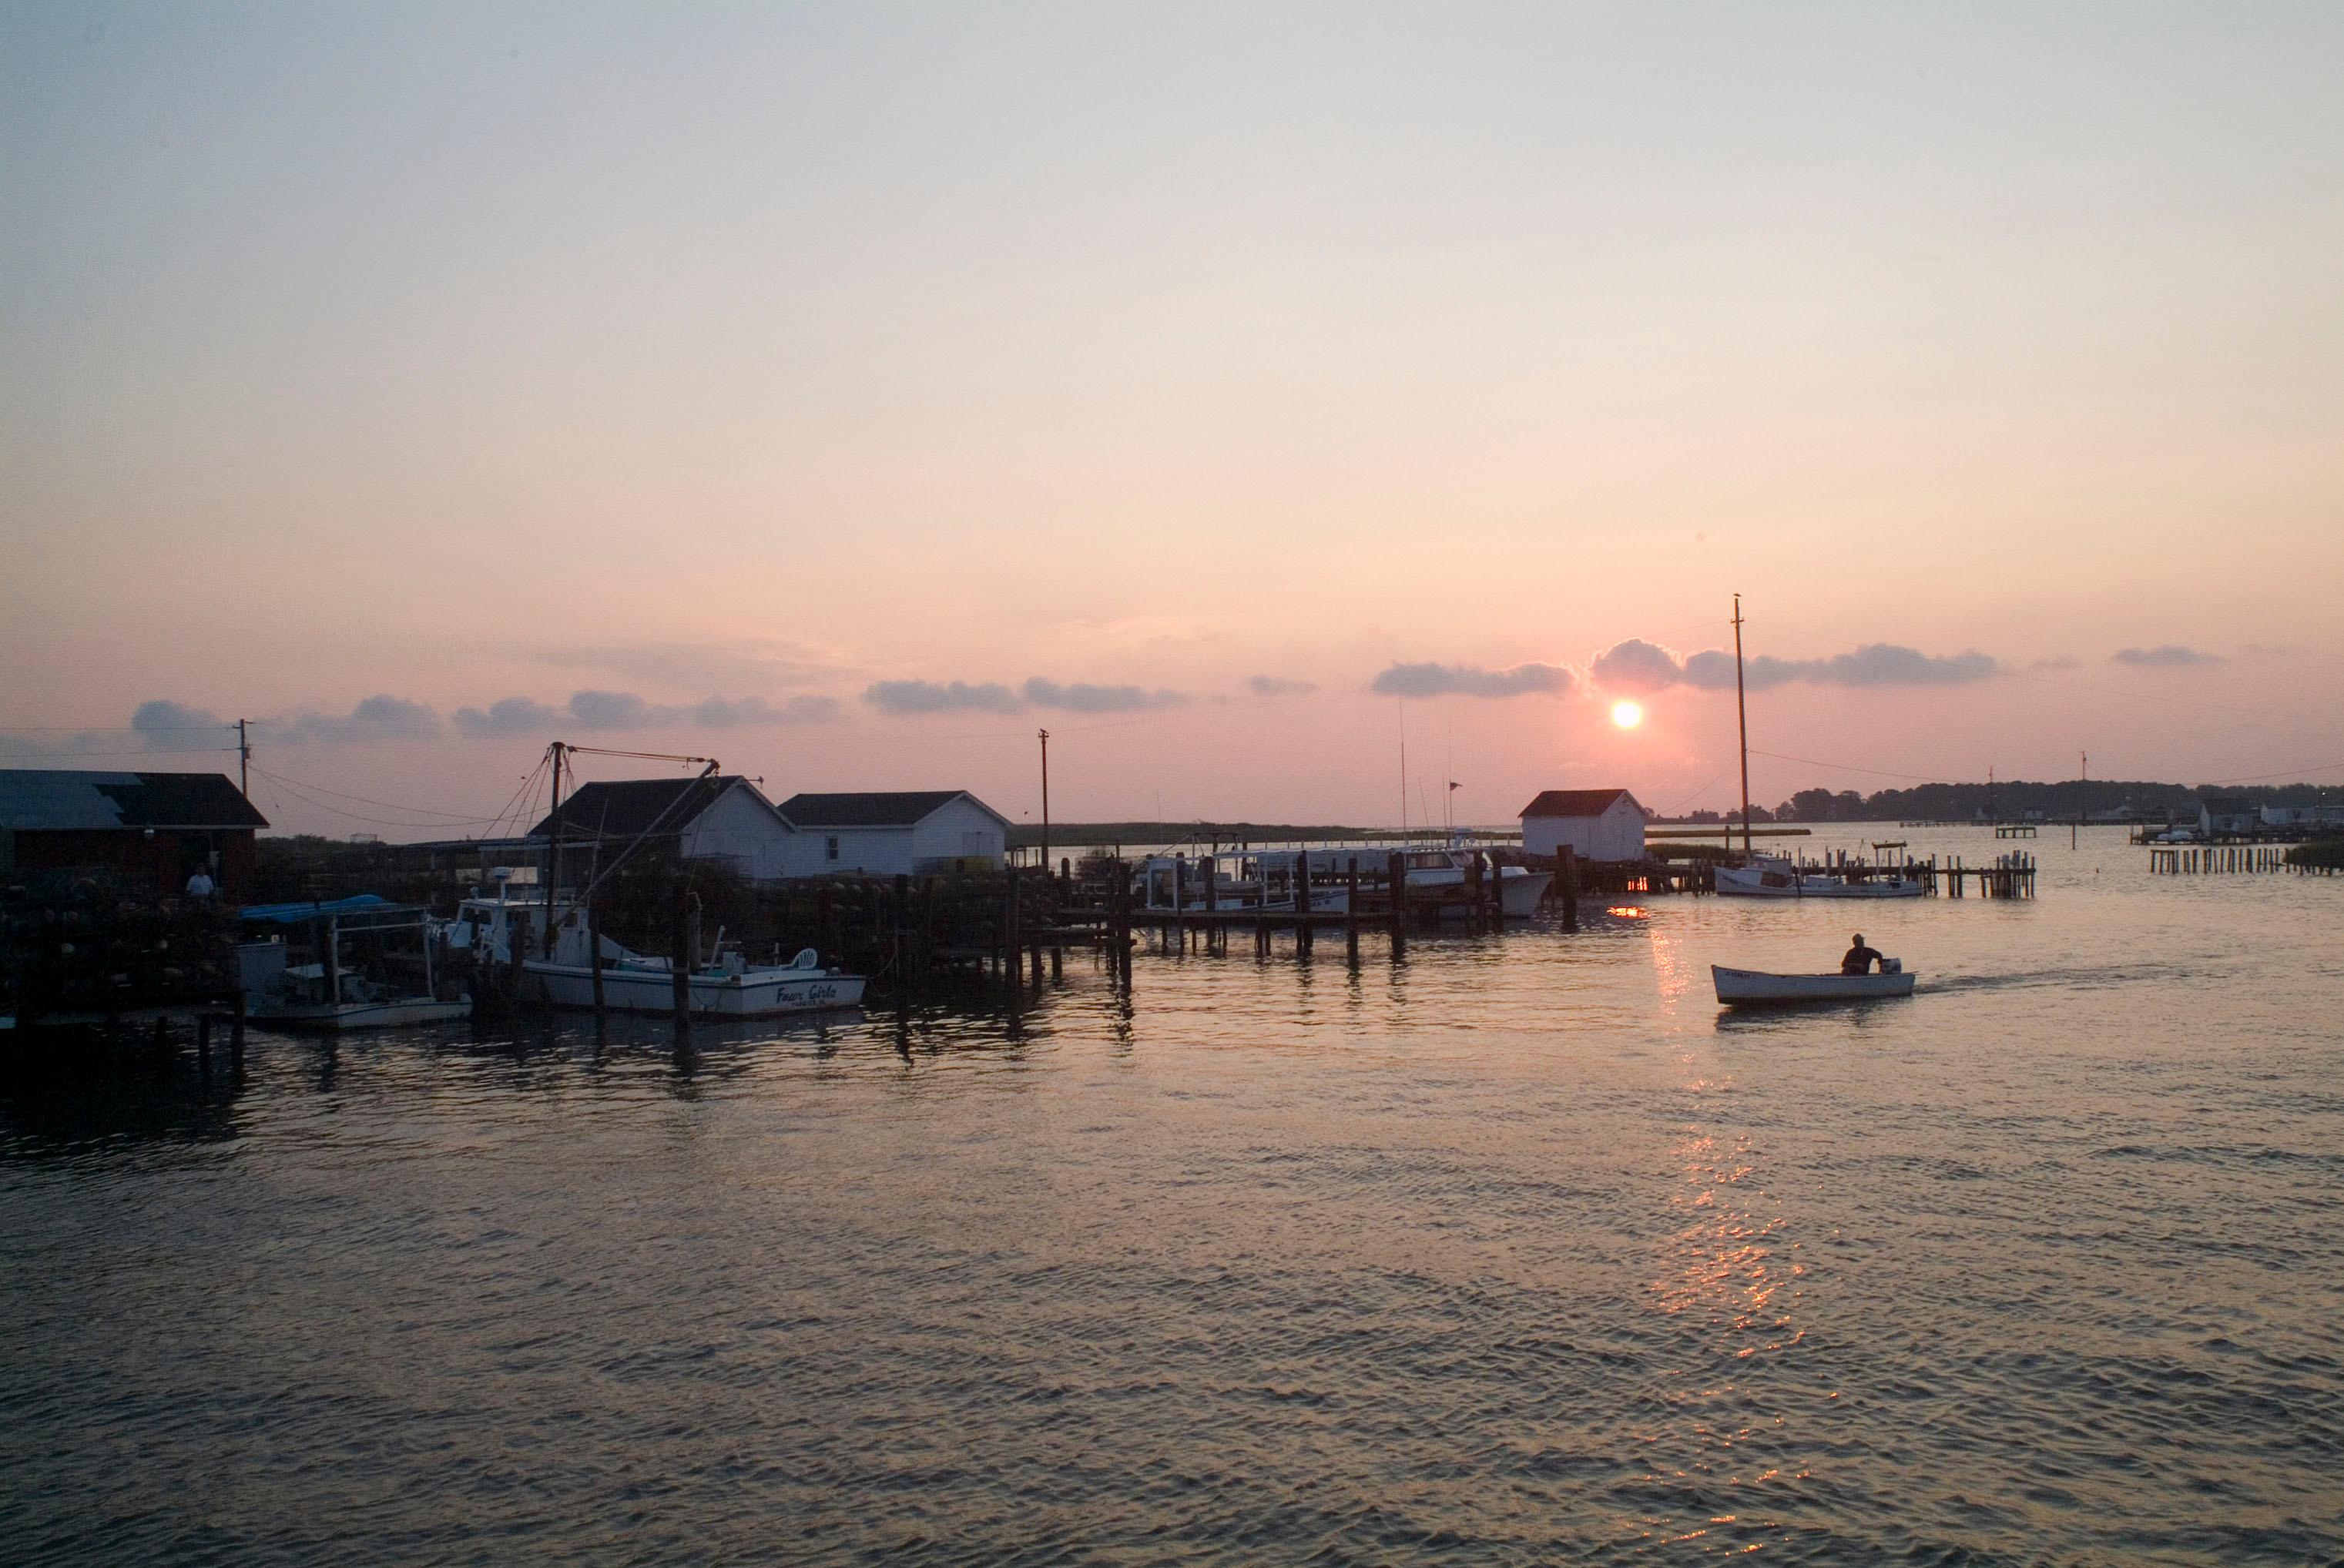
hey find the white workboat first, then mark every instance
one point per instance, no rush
(1745, 988)
(1519, 889)
(1245, 881)
(728, 986)
(1770, 877)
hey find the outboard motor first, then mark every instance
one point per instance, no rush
(1889, 966)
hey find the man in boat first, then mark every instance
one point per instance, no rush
(1860, 958)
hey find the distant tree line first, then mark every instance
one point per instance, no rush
(2019, 798)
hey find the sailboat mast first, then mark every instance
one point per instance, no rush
(1742, 720)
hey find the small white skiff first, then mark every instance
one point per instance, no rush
(1744, 987)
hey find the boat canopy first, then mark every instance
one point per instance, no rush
(296, 914)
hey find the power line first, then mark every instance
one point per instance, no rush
(365, 801)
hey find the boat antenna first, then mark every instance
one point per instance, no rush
(1742, 719)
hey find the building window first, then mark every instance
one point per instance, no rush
(829, 847)
(973, 844)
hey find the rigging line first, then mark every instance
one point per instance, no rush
(1702, 790)
(1849, 768)
(512, 806)
(2290, 772)
(366, 800)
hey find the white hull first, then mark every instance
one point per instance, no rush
(1750, 883)
(1519, 890)
(1739, 987)
(757, 994)
(335, 1018)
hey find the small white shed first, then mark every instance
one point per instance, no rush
(880, 833)
(1597, 824)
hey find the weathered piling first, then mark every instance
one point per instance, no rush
(898, 961)
(1396, 886)
(1012, 962)
(594, 963)
(1351, 913)
(680, 965)
(1302, 908)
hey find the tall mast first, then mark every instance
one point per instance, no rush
(553, 850)
(1045, 802)
(1742, 720)
(243, 758)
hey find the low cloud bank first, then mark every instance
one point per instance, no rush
(616, 710)
(2165, 656)
(1472, 680)
(1279, 685)
(1636, 665)
(923, 697)
(164, 726)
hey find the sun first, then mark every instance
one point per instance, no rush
(1627, 715)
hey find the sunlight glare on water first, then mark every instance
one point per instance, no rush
(1518, 1251)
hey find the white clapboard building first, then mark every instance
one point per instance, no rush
(727, 818)
(724, 817)
(880, 833)
(1595, 824)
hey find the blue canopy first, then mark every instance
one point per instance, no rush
(295, 914)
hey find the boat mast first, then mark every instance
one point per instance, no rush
(1742, 720)
(553, 849)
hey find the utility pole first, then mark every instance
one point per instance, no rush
(1742, 719)
(1045, 802)
(244, 760)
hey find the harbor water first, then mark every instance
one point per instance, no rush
(1514, 1251)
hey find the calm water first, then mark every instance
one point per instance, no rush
(1517, 1253)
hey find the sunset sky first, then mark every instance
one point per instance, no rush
(848, 391)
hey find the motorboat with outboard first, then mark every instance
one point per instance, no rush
(1748, 988)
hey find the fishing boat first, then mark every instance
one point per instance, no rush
(724, 985)
(1749, 988)
(1264, 880)
(1442, 874)
(1771, 877)
(358, 963)
(728, 988)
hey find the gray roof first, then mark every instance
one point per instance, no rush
(41, 800)
(877, 807)
(623, 808)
